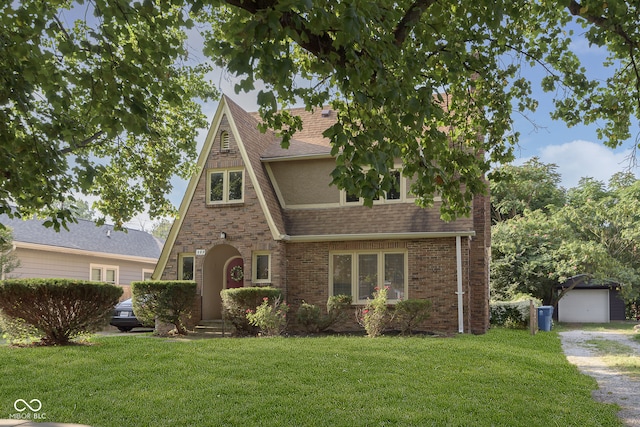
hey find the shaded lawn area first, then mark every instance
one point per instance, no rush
(503, 378)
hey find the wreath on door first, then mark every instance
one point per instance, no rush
(237, 273)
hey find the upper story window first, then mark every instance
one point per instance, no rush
(224, 141)
(104, 273)
(398, 192)
(225, 186)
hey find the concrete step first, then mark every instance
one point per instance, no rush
(214, 328)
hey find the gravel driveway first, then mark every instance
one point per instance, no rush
(613, 386)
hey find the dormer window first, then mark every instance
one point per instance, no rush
(224, 141)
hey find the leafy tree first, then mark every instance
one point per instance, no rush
(609, 217)
(595, 233)
(96, 98)
(162, 228)
(8, 259)
(104, 105)
(532, 186)
(523, 256)
(421, 80)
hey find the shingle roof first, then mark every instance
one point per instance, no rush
(85, 235)
(256, 143)
(390, 218)
(307, 142)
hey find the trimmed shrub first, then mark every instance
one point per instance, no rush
(168, 301)
(312, 320)
(270, 317)
(512, 314)
(236, 302)
(58, 309)
(411, 312)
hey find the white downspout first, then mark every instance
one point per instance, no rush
(459, 292)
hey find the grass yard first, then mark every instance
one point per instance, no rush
(503, 378)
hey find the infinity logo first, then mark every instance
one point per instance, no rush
(37, 405)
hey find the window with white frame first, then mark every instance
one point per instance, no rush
(360, 273)
(397, 193)
(104, 273)
(225, 186)
(186, 266)
(146, 274)
(261, 267)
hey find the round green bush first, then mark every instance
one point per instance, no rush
(58, 309)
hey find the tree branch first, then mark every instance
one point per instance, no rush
(605, 24)
(319, 45)
(600, 21)
(413, 15)
(82, 144)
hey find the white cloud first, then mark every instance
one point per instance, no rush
(579, 158)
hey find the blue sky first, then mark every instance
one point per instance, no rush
(576, 151)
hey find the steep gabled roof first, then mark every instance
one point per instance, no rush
(85, 236)
(251, 142)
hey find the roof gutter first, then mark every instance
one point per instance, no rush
(375, 236)
(296, 157)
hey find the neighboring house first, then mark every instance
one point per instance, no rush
(590, 301)
(86, 252)
(274, 213)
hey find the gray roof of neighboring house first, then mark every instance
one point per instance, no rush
(86, 235)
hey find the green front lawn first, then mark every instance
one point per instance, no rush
(503, 378)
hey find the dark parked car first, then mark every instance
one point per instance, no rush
(124, 318)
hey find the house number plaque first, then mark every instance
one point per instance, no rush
(200, 252)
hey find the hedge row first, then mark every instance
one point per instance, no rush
(513, 314)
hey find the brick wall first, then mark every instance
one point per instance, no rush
(432, 274)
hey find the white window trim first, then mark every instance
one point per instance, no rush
(104, 269)
(404, 197)
(380, 271)
(181, 256)
(147, 270)
(254, 267)
(225, 186)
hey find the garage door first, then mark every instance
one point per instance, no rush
(584, 306)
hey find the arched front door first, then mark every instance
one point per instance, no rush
(217, 265)
(234, 273)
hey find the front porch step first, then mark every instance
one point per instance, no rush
(213, 328)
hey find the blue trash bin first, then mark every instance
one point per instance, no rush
(545, 317)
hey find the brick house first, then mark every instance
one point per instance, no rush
(273, 213)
